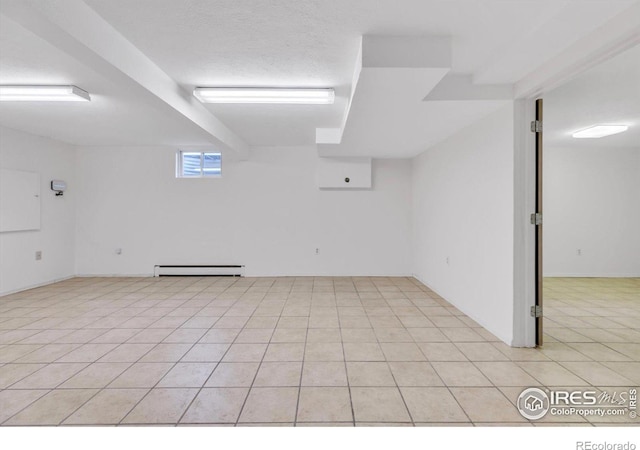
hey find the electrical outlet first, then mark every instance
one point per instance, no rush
(579, 252)
(118, 251)
(38, 255)
(317, 251)
(447, 260)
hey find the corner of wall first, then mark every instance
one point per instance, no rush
(55, 238)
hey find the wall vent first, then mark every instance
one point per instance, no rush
(198, 271)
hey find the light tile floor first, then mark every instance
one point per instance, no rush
(297, 351)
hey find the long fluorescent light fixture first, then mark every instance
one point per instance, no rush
(43, 94)
(265, 95)
(598, 131)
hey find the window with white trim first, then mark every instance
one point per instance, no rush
(198, 164)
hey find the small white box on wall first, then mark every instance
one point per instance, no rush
(344, 173)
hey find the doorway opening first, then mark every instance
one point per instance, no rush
(589, 244)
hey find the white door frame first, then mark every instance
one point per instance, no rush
(524, 240)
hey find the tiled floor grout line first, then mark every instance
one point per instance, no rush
(213, 371)
(304, 357)
(79, 406)
(257, 370)
(47, 364)
(386, 360)
(454, 397)
(346, 368)
(562, 363)
(30, 403)
(221, 359)
(573, 344)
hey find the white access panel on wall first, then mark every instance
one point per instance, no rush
(19, 200)
(344, 173)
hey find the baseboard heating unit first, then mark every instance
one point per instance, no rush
(198, 271)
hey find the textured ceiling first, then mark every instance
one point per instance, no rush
(315, 41)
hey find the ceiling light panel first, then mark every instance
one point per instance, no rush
(265, 95)
(43, 94)
(598, 131)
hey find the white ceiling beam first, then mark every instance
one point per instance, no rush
(618, 34)
(512, 49)
(454, 87)
(334, 135)
(406, 52)
(76, 29)
(390, 52)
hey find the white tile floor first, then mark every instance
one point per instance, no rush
(297, 351)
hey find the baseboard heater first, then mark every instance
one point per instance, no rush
(198, 271)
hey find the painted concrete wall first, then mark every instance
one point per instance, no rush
(266, 213)
(592, 212)
(52, 160)
(463, 221)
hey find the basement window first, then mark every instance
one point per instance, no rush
(198, 164)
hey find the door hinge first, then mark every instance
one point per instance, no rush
(536, 126)
(536, 219)
(536, 311)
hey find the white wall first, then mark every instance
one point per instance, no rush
(266, 213)
(591, 203)
(463, 208)
(53, 160)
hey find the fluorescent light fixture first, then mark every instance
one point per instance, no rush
(43, 94)
(264, 95)
(598, 131)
